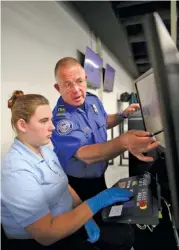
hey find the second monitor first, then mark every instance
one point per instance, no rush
(149, 102)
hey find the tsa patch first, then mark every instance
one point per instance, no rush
(61, 110)
(64, 127)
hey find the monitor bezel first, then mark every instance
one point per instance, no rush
(156, 55)
(92, 51)
(149, 72)
(105, 72)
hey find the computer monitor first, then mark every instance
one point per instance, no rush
(93, 66)
(149, 102)
(164, 58)
(109, 76)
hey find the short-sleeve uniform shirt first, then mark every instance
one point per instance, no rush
(76, 127)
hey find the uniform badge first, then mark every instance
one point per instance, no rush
(86, 129)
(61, 110)
(64, 127)
(95, 109)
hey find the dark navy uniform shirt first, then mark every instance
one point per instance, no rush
(76, 127)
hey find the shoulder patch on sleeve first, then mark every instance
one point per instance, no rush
(64, 127)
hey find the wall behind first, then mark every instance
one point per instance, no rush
(35, 35)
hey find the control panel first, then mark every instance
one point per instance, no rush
(142, 208)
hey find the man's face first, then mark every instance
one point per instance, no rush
(72, 84)
(39, 128)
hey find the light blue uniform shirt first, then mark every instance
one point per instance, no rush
(31, 188)
(75, 128)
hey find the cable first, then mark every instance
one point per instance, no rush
(150, 228)
(172, 221)
(141, 227)
(168, 207)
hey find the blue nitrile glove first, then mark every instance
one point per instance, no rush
(108, 197)
(92, 230)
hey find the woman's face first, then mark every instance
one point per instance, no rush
(39, 129)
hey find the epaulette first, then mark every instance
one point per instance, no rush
(90, 94)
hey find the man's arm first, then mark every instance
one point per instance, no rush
(101, 151)
(136, 141)
(115, 119)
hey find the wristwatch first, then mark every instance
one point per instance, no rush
(122, 116)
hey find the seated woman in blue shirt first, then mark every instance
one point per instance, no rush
(38, 207)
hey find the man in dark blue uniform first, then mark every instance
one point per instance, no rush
(80, 136)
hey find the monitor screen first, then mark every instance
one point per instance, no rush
(109, 76)
(149, 102)
(93, 66)
(164, 58)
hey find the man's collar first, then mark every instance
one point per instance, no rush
(68, 107)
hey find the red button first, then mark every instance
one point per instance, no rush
(143, 204)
